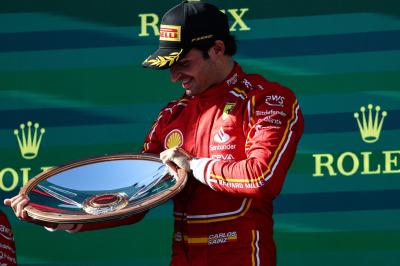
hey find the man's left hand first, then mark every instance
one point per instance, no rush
(176, 158)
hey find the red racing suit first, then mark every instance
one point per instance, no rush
(244, 132)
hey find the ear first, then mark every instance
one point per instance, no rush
(218, 49)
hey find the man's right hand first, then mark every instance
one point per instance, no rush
(18, 204)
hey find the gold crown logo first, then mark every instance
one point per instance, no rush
(29, 143)
(370, 128)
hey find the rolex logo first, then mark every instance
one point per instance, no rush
(370, 125)
(29, 142)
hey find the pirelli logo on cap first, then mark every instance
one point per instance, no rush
(170, 33)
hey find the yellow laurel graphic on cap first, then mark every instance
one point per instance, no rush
(174, 139)
(161, 61)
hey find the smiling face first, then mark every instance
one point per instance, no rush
(195, 72)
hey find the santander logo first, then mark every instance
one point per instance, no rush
(221, 136)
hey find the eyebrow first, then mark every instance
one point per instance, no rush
(183, 61)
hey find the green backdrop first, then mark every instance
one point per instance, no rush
(74, 67)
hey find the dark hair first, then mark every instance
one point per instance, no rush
(205, 45)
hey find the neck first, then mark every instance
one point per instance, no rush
(225, 68)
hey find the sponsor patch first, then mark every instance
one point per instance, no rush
(260, 127)
(275, 100)
(240, 185)
(224, 157)
(173, 139)
(260, 87)
(227, 110)
(221, 238)
(246, 83)
(221, 136)
(170, 33)
(270, 112)
(222, 147)
(272, 121)
(178, 236)
(233, 80)
(212, 239)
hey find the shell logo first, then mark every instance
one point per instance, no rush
(173, 139)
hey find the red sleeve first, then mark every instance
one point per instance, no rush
(273, 125)
(153, 142)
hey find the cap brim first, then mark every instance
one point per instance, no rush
(163, 58)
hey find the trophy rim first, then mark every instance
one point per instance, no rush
(141, 206)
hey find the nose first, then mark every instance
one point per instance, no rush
(175, 74)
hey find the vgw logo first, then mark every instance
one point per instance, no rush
(348, 163)
(29, 137)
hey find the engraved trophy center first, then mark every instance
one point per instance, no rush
(104, 203)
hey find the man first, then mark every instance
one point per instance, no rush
(236, 134)
(7, 245)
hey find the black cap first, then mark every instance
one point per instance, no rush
(182, 27)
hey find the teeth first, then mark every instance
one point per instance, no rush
(185, 83)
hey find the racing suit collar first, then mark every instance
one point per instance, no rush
(230, 82)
